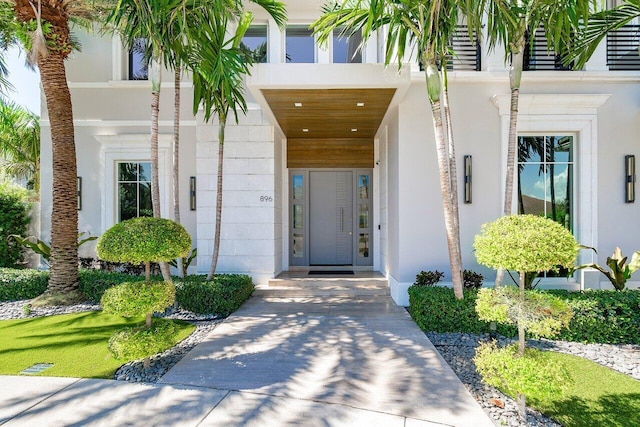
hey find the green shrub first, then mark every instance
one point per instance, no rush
(18, 284)
(599, 316)
(471, 279)
(139, 342)
(534, 374)
(93, 283)
(437, 309)
(428, 278)
(14, 218)
(602, 316)
(543, 315)
(144, 239)
(525, 243)
(131, 299)
(223, 295)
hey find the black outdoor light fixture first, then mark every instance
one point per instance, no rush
(192, 193)
(79, 193)
(630, 178)
(467, 178)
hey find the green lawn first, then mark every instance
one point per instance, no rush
(75, 343)
(598, 397)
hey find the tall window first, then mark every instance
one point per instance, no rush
(138, 65)
(300, 46)
(545, 178)
(345, 48)
(134, 190)
(254, 43)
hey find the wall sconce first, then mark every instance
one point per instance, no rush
(79, 193)
(467, 179)
(630, 179)
(192, 193)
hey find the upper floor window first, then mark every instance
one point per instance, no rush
(346, 48)
(538, 57)
(134, 190)
(254, 43)
(299, 44)
(138, 65)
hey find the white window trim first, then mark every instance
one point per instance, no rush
(568, 114)
(131, 148)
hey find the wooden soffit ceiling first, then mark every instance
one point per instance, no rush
(329, 113)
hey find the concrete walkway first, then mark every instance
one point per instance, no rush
(286, 358)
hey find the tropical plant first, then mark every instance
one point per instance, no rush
(510, 24)
(472, 280)
(428, 28)
(620, 271)
(428, 278)
(42, 248)
(20, 143)
(600, 23)
(185, 262)
(219, 66)
(14, 218)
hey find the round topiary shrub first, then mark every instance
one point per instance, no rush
(535, 373)
(140, 342)
(131, 299)
(143, 240)
(525, 243)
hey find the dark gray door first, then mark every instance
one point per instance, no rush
(331, 218)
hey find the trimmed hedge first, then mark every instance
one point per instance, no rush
(131, 299)
(93, 283)
(140, 342)
(18, 284)
(14, 219)
(611, 317)
(223, 295)
(437, 309)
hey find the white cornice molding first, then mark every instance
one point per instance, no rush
(125, 84)
(537, 104)
(122, 123)
(538, 76)
(132, 140)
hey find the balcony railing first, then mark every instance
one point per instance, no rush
(467, 53)
(538, 57)
(622, 48)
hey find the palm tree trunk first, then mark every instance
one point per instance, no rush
(515, 77)
(456, 275)
(64, 214)
(176, 145)
(434, 92)
(222, 119)
(156, 80)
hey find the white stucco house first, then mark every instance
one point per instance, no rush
(334, 165)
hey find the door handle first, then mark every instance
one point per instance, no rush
(342, 219)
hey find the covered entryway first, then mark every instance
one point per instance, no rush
(330, 159)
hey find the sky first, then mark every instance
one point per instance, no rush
(25, 81)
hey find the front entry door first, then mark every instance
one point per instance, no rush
(330, 218)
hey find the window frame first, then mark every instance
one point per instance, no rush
(284, 43)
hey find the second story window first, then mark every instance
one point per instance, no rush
(538, 57)
(138, 66)
(299, 45)
(345, 48)
(254, 43)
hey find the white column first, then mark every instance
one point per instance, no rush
(275, 43)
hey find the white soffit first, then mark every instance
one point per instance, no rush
(547, 104)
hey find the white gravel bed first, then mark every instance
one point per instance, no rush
(458, 350)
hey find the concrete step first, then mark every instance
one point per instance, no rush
(334, 286)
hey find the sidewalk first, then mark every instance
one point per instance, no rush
(281, 360)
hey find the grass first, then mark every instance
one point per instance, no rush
(598, 396)
(75, 343)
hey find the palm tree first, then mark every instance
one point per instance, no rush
(219, 65)
(510, 23)
(429, 27)
(20, 143)
(600, 24)
(43, 30)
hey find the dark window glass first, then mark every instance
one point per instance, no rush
(138, 65)
(134, 190)
(254, 43)
(300, 47)
(345, 48)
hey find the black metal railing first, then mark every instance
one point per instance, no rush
(467, 54)
(622, 48)
(538, 56)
